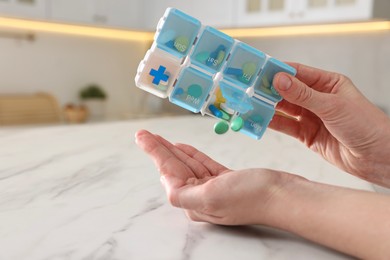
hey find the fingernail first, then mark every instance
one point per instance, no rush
(284, 82)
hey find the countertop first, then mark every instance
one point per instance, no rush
(88, 192)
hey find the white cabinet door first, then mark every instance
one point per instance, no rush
(23, 8)
(335, 10)
(262, 12)
(285, 12)
(72, 11)
(111, 13)
(120, 13)
(216, 13)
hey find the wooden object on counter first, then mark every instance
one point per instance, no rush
(20, 109)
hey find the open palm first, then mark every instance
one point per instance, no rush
(208, 190)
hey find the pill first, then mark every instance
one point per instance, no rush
(179, 91)
(181, 43)
(219, 96)
(162, 87)
(202, 56)
(225, 115)
(249, 68)
(234, 71)
(220, 57)
(227, 109)
(273, 90)
(217, 56)
(215, 111)
(221, 127)
(170, 44)
(237, 124)
(195, 90)
(265, 82)
(221, 47)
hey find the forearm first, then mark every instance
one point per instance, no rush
(351, 221)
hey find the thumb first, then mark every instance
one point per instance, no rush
(298, 93)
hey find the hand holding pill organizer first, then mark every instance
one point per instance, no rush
(204, 70)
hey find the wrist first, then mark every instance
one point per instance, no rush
(282, 200)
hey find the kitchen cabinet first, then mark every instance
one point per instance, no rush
(284, 12)
(217, 13)
(23, 8)
(117, 13)
(144, 15)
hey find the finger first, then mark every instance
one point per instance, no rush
(200, 217)
(317, 79)
(213, 167)
(197, 167)
(289, 109)
(147, 142)
(298, 93)
(166, 162)
(285, 125)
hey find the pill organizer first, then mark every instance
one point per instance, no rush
(206, 71)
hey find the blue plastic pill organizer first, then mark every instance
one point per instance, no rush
(204, 70)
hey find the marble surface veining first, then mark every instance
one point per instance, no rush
(88, 192)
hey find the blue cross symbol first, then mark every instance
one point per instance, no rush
(159, 75)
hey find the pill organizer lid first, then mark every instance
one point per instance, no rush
(209, 40)
(260, 109)
(177, 24)
(243, 50)
(236, 99)
(283, 66)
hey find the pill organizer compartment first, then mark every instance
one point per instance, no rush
(191, 89)
(157, 72)
(216, 105)
(211, 49)
(244, 64)
(236, 98)
(257, 119)
(264, 86)
(178, 32)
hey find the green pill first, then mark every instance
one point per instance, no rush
(249, 68)
(202, 56)
(195, 90)
(221, 127)
(220, 57)
(181, 43)
(237, 124)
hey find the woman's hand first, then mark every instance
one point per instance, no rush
(209, 191)
(354, 222)
(334, 119)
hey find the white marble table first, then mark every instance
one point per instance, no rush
(87, 192)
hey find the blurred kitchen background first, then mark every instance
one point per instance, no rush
(69, 50)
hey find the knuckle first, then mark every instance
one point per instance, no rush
(304, 94)
(173, 199)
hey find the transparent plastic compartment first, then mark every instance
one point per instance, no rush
(178, 33)
(244, 65)
(236, 98)
(211, 49)
(191, 89)
(264, 84)
(158, 73)
(257, 120)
